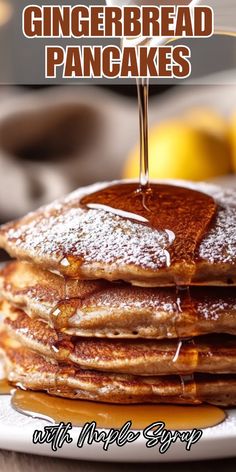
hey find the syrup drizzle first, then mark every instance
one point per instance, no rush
(54, 409)
(184, 303)
(61, 314)
(180, 215)
(63, 311)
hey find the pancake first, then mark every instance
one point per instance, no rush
(32, 371)
(39, 291)
(212, 354)
(103, 309)
(95, 244)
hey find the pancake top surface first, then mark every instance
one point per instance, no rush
(93, 243)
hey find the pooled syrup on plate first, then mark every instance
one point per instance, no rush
(5, 387)
(79, 412)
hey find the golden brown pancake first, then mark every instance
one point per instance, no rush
(39, 291)
(212, 354)
(32, 371)
(99, 308)
(94, 244)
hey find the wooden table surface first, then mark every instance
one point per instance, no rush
(15, 462)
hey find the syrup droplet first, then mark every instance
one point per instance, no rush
(185, 303)
(187, 347)
(71, 265)
(189, 388)
(42, 405)
(63, 312)
(74, 293)
(62, 348)
(181, 215)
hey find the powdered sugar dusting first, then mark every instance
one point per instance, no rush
(95, 236)
(220, 243)
(213, 309)
(209, 303)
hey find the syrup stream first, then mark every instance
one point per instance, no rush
(143, 91)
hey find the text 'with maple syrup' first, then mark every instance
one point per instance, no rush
(155, 435)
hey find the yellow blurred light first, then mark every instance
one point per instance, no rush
(178, 150)
(207, 120)
(232, 136)
(5, 12)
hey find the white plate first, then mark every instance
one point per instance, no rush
(16, 431)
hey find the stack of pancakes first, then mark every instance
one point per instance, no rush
(90, 312)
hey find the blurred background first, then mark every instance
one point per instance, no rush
(56, 138)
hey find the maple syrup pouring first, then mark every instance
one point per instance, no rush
(5, 387)
(78, 412)
(180, 215)
(143, 89)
